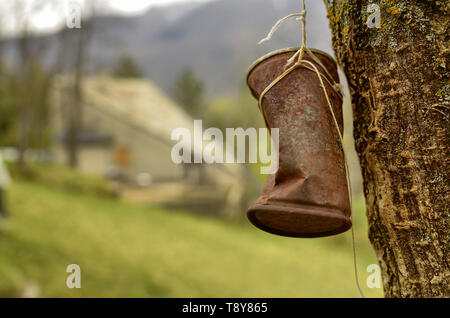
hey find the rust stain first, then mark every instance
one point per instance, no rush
(307, 196)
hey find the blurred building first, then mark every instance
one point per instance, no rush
(126, 136)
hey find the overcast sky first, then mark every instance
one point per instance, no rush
(52, 13)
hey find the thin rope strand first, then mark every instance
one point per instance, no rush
(347, 174)
(277, 25)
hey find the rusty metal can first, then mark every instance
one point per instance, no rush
(308, 195)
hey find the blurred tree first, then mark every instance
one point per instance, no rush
(127, 67)
(189, 91)
(234, 111)
(24, 88)
(74, 110)
(40, 128)
(8, 112)
(29, 117)
(32, 95)
(74, 107)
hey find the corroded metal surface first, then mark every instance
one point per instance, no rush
(308, 195)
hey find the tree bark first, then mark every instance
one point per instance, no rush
(399, 83)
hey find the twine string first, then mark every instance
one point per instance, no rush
(335, 86)
(301, 16)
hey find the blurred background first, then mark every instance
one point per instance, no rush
(86, 116)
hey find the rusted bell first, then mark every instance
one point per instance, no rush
(308, 195)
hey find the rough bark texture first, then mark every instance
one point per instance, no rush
(398, 79)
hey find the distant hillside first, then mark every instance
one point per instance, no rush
(217, 39)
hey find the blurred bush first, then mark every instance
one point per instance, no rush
(65, 178)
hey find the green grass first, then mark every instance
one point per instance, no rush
(127, 250)
(64, 177)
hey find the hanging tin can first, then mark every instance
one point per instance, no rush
(308, 195)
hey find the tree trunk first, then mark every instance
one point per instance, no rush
(23, 99)
(75, 114)
(399, 83)
(76, 108)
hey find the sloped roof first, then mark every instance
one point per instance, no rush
(140, 103)
(137, 101)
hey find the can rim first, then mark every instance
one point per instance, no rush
(281, 51)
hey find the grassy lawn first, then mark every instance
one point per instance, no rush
(128, 250)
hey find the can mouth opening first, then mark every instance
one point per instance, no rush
(286, 50)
